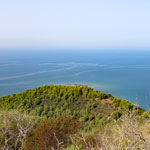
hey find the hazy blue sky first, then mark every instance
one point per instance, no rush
(75, 23)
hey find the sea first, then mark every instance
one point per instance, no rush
(122, 73)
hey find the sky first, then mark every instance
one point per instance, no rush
(95, 24)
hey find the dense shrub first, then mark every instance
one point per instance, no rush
(51, 133)
(93, 109)
(116, 115)
(51, 101)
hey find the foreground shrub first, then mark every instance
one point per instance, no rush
(116, 115)
(14, 128)
(127, 133)
(51, 134)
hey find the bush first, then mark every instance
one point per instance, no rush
(51, 133)
(116, 115)
(145, 114)
(14, 128)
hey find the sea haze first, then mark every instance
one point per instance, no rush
(124, 74)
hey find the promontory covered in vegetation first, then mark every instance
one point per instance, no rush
(73, 117)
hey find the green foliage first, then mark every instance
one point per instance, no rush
(78, 102)
(125, 105)
(95, 105)
(51, 101)
(74, 147)
(59, 110)
(116, 115)
(146, 114)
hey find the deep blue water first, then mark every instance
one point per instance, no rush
(124, 74)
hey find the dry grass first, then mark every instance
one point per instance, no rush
(126, 134)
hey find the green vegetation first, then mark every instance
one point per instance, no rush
(77, 102)
(52, 113)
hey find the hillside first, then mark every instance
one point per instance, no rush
(78, 102)
(76, 106)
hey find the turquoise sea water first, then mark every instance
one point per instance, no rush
(124, 74)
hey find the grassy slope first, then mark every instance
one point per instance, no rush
(91, 108)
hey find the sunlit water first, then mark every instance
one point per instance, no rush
(124, 74)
